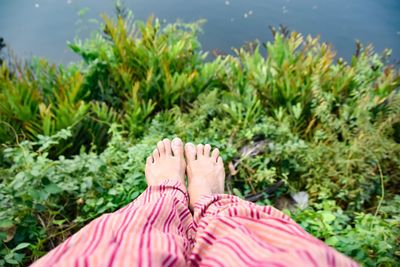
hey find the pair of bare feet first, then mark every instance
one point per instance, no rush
(205, 170)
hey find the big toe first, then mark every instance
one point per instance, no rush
(190, 152)
(177, 147)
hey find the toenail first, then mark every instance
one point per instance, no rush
(177, 141)
(190, 146)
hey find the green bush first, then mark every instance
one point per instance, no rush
(44, 201)
(75, 139)
(127, 74)
(369, 239)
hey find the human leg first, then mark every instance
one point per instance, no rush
(150, 231)
(229, 231)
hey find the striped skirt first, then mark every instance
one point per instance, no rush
(158, 229)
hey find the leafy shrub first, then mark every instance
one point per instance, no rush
(45, 200)
(369, 239)
(127, 74)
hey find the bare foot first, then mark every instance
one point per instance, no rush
(206, 174)
(167, 162)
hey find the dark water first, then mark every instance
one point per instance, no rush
(42, 27)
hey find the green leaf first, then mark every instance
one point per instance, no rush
(328, 217)
(237, 192)
(6, 223)
(12, 261)
(331, 241)
(59, 222)
(113, 192)
(3, 236)
(21, 246)
(52, 189)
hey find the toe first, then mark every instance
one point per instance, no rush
(215, 154)
(156, 154)
(190, 152)
(220, 162)
(177, 147)
(161, 148)
(200, 150)
(207, 150)
(167, 145)
(149, 160)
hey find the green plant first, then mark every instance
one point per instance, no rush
(74, 139)
(368, 239)
(52, 199)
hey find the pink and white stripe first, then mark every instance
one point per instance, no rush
(157, 229)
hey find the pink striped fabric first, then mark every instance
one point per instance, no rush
(157, 229)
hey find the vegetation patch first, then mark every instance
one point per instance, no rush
(297, 128)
